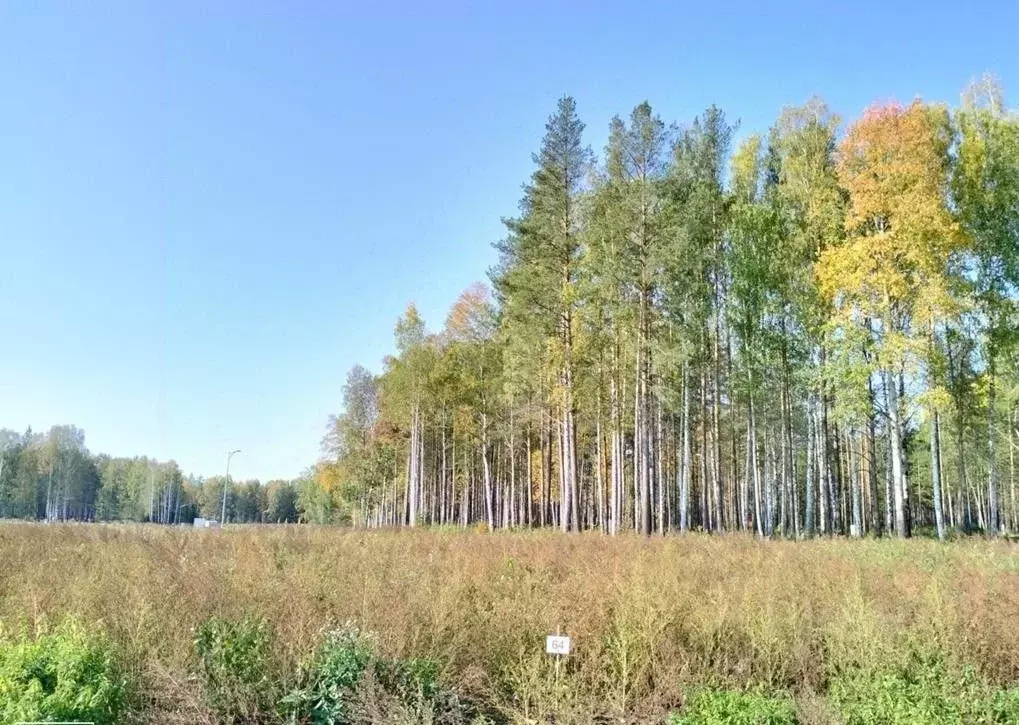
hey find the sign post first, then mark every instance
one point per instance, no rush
(558, 646)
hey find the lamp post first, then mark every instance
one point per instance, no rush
(226, 484)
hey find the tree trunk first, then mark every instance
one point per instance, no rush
(546, 470)
(992, 463)
(659, 482)
(489, 513)
(599, 476)
(808, 485)
(755, 467)
(895, 443)
(736, 502)
(569, 513)
(703, 478)
(939, 519)
(513, 475)
(616, 464)
(1013, 433)
(821, 450)
(685, 466)
(871, 460)
(716, 402)
(855, 483)
(529, 510)
(641, 424)
(413, 471)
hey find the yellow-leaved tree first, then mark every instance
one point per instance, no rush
(892, 274)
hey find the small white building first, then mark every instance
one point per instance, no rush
(201, 523)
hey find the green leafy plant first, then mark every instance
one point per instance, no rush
(922, 692)
(409, 679)
(236, 667)
(330, 679)
(732, 707)
(333, 682)
(66, 674)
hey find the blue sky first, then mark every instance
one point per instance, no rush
(210, 211)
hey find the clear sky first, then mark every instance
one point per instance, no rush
(210, 210)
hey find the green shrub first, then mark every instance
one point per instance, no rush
(923, 692)
(66, 674)
(344, 666)
(732, 707)
(1004, 706)
(236, 667)
(409, 679)
(330, 679)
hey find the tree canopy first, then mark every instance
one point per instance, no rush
(687, 333)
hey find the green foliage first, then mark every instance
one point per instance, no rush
(537, 275)
(359, 462)
(235, 661)
(921, 693)
(410, 679)
(53, 475)
(732, 707)
(66, 674)
(346, 657)
(282, 499)
(331, 678)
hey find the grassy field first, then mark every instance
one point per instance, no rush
(250, 624)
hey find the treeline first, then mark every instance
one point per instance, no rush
(53, 476)
(813, 332)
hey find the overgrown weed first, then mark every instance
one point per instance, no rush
(650, 618)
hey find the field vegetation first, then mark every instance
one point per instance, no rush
(312, 624)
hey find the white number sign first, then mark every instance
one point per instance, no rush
(557, 645)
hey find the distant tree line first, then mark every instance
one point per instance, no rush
(53, 476)
(812, 333)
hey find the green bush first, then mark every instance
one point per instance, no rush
(732, 707)
(409, 679)
(66, 674)
(236, 667)
(1004, 706)
(334, 683)
(330, 679)
(922, 692)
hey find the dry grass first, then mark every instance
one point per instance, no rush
(649, 618)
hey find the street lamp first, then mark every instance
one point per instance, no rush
(226, 484)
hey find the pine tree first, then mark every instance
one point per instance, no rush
(537, 274)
